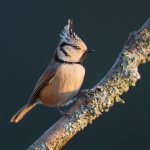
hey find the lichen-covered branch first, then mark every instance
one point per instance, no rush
(124, 73)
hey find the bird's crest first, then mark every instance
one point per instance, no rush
(68, 34)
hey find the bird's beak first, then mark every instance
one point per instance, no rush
(90, 50)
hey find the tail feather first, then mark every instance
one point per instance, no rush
(20, 114)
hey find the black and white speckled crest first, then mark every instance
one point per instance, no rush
(68, 34)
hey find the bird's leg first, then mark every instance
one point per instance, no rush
(85, 91)
(81, 92)
(63, 113)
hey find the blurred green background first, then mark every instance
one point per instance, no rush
(29, 34)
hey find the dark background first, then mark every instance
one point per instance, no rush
(29, 34)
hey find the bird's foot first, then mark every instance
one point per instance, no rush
(85, 91)
(63, 113)
(82, 92)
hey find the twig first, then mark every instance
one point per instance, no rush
(124, 73)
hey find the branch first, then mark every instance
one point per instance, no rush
(99, 99)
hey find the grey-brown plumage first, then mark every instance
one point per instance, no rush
(63, 77)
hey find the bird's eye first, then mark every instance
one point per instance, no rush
(76, 47)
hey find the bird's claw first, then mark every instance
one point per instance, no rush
(63, 113)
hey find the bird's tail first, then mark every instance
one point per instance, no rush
(20, 114)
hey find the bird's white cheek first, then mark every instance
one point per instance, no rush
(61, 55)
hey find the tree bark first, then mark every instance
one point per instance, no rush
(100, 98)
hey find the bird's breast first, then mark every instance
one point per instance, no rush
(64, 85)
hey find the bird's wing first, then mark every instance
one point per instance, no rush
(44, 79)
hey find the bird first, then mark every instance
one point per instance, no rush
(62, 79)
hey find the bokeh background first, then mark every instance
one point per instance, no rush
(29, 34)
